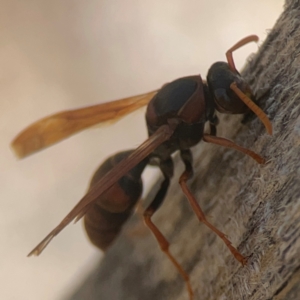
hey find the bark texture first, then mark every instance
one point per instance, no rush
(258, 207)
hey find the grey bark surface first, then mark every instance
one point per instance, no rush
(258, 207)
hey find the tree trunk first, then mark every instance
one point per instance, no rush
(257, 206)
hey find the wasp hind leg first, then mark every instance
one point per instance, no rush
(167, 169)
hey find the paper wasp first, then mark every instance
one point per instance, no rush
(176, 116)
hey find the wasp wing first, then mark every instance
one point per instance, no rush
(57, 127)
(160, 136)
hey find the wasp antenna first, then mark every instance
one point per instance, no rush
(239, 44)
(257, 110)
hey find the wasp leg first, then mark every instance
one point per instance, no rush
(230, 144)
(186, 156)
(239, 44)
(162, 241)
(213, 122)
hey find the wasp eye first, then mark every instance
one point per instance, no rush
(221, 96)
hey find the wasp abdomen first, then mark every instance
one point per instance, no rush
(104, 220)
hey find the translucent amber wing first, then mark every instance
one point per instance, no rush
(57, 127)
(160, 136)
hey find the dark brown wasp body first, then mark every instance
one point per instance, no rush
(176, 116)
(181, 101)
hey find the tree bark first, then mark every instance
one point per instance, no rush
(258, 207)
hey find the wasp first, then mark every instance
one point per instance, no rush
(176, 116)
